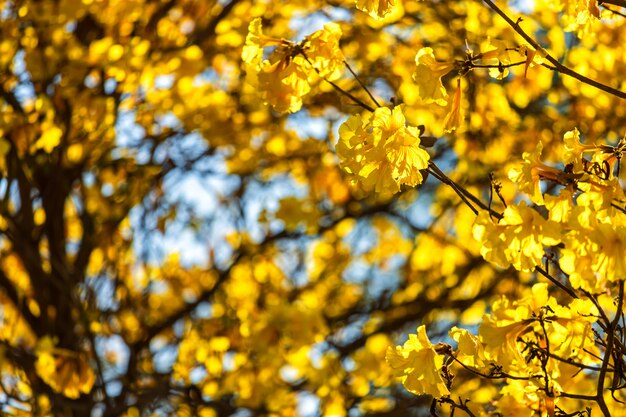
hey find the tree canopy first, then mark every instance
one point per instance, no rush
(312, 208)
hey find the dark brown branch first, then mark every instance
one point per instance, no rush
(9, 97)
(620, 3)
(497, 375)
(437, 173)
(461, 405)
(494, 66)
(557, 65)
(159, 14)
(461, 191)
(568, 361)
(615, 12)
(355, 99)
(556, 282)
(578, 396)
(363, 86)
(608, 353)
(350, 96)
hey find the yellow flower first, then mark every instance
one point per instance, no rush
(560, 207)
(401, 144)
(376, 8)
(284, 83)
(498, 54)
(525, 236)
(362, 155)
(381, 151)
(574, 149)
(569, 329)
(499, 330)
(354, 143)
(470, 350)
(322, 49)
(518, 239)
(283, 79)
(428, 77)
(454, 118)
(492, 250)
(255, 42)
(532, 171)
(417, 364)
(594, 254)
(280, 80)
(579, 15)
(500, 339)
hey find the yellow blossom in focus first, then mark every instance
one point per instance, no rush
(594, 253)
(428, 77)
(470, 350)
(322, 48)
(517, 239)
(283, 79)
(568, 327)
(500, 339)
(381, 151)
(284, 83)
(417, 364)
(255, 42)
(574, 149)
(561, 206)
(532, 171)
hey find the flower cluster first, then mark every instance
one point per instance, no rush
(283, 78)
(381, 151)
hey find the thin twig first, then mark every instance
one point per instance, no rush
(608, 353)
(557, 65)
(356, 77)
(577, 396)
(556, 282)
(569, 361)
(496, 66)
(615, 12)
(465, 195)
(499, 375)
(619, 3)
(339, 89)
(435, 172)
(461, 405)
(350, 96)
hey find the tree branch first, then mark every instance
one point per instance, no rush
(557, 65)
(608, 353)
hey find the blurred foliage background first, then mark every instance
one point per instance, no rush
(172, 245)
